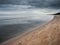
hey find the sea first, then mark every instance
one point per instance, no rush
(18, 19)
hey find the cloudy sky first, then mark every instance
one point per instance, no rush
(36, 3)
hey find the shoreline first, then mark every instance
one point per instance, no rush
(25, 33)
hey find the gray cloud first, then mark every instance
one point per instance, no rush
(36, 3)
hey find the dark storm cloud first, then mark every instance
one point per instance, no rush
(37, 3)
(52, 3)
(46, 3)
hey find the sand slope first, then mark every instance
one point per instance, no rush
(47, 35)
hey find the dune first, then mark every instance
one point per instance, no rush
(48, 34)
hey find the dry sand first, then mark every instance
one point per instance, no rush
(46, 35)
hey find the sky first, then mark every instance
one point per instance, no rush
(36, 3)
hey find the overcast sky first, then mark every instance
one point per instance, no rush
(37, 3)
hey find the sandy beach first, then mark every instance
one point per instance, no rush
(45, 35)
